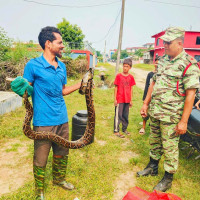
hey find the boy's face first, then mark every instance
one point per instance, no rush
(156, 64)
(126, 68)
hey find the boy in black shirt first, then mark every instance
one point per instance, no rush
(148, 82)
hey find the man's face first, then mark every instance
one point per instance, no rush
(172, 48)
(156, 64)
(56, 46)
(126, 68)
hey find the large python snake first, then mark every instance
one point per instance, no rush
(86, 88)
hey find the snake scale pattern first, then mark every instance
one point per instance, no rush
(86, 88)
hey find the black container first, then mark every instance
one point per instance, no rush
(79, 123)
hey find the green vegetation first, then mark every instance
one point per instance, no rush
(144, 67)
(95, 169)
(5, 44)
(123, 55)
(71, 34)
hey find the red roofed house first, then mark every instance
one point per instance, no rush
(191, 44)
(148, 45)
(134, 49)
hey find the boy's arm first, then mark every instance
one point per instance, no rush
(131, 103)
(115, 96)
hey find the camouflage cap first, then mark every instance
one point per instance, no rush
(172, 33)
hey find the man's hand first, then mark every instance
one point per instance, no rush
(115, 102)
(181, 128)
(197, 105)
(143, 110)
(131, 104)
(19, 85)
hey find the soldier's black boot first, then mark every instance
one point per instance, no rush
(151, 169)
(165, 183)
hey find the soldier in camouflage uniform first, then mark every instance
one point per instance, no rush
(169, 103)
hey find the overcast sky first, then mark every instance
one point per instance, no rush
(23, 20)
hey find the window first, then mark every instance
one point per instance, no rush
(197, 57)
(198, 40)
(157, 43)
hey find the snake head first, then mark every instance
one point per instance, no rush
(84, 83)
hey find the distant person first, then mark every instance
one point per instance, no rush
(148, 82)
(169, 102)
(123, 98)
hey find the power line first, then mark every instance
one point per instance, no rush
(175, 4)
(109, 28)
(57, 5)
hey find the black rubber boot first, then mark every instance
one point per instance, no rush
(165, 183)
(151, 169)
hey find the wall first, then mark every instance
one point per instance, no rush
(190, 40)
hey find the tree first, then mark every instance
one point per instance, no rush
(71, 34)
(99, 53)
(138, 53)
(5, 44)
(114, 56)
(123, 55)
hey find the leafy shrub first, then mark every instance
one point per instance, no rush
(5, 45)
(11, 70)
(75, 67)
(20, 52)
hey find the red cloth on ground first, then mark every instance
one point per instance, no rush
(137, 193)
(124, 84)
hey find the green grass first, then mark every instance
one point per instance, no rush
(95, 168)
(144, 67)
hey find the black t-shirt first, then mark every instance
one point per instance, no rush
(148, 79)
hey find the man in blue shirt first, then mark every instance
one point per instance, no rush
(48, 77)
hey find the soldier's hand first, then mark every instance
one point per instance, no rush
(197, 105)
(143, 110)
(181, 128)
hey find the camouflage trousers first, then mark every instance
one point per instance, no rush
(163, 140)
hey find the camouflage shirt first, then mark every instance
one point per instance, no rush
(166, 104)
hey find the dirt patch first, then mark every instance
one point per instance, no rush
(124, 183)
(101, 142)
(15, 167)
(125, 156)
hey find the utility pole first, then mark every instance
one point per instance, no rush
(120, 37)
(104, 57)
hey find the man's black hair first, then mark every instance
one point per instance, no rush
(128, 61)
(47, 34)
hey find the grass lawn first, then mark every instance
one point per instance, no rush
(144, 67)
(95, 169)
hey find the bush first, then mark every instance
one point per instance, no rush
(20, 53)
(76, 67)
(10, 70)
(5, 45)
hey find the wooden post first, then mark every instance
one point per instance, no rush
(120, 37)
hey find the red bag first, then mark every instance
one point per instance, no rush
(137, 193)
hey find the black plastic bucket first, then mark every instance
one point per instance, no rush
(79, 123)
